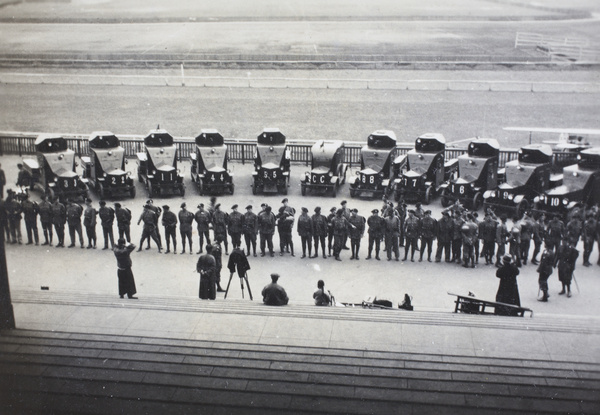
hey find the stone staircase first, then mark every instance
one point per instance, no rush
(43, 372)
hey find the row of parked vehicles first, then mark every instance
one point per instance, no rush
(474, 178)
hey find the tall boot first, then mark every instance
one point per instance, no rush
(544, 297)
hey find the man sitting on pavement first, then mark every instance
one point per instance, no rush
(274, 294)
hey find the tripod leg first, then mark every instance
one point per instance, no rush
(242, 285)
(227, 289)
(248, 284)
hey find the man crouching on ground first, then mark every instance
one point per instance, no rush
(274, 294)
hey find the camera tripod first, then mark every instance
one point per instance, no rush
(245, 277)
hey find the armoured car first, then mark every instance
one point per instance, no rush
(527, 177)
(375, 165)
(580, 186)
(104, 166)
(53, 170)
(427, 170)
(157, 165)
(328, 170)
(271, 163)
(209, 164)
(477, 173)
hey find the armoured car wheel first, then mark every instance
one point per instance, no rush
(100, 190)
(477, 201)
(132, 192)
(522, 206)
(182, 191)
(200, 187)
(303, 190)
(232, 188)
(428, 195)
(445, 200)
(253, 188)
(150, 189)
(140, 178)
(352, 192)
(333, 191)
(284, 190)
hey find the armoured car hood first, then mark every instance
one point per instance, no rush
(470, 168)
(465, 180)
(268, 156)
(162, 156)
(368, 171)
(116, 172)
(374, 158)
(518, 174)
(270, 166)
(216, 169)
(213, 157)
(413, 174)
(420, 162)
(110, 158)
(574, 178)
(66, 174)
(165, 168)
(320, 170)
(60, 161)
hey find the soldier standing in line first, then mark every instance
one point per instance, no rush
(401, 213)
(30, 211)
(469, 233)
(428, 234)
(89, 221)
(45, 209)
(59, 218)
(392, 234)
(220, 221)
(330, 229)
(487, 232)
(250, 230)
(149, 229)
(340, 230)
(574, 228)
(74, 213)
(285, 224)
(23, 178)
(376, 231)
(538, 237)
(286, 211)
(476, 241)
(588, 234)
(419, 212)
(457, 223)
(567, 257)
(345, 214)
(266, 228)
(157, 212)
(186, 218)
(356, 232)
(526, 225)
(202, 218)
(235, 228)
(305, 230)
(501, 239)
(544, 270)
(444, 239)
(169, 221)
(555, 234)
(107, 219)
(514, 242)
(13, 214)
(320, 231)
(123, 222)
(412, 230)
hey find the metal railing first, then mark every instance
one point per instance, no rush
(241, 150)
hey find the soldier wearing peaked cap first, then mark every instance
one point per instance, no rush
(376, 231)
(412, 229)
(158, 211)
(74, 213)
(356, 232)
(235, 226)
(250, 230)
(169, 221)
(186, 220)
(305, 230)
(429, 228)
(203, 219)
(123, 222)
(285, 224)
(266, 228)
(107, 219)
(220, 221)
(59, 218)
(444, 239)
(30, 212)
(330, 229)
(346, 214)
(320, 229)
(45, 210)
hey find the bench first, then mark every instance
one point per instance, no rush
(473, 305)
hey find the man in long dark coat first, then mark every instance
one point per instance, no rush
(544, 270)
(508, 289)
(126, 282)
(206, 267)
(567, 256)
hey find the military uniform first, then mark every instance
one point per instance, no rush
(469, 231)
(567, 257)
(59, 218)
(340, 231)
(123, 222)
(320, 229)
(501, 238)
(526, 236)
(13, 213)
(444, 239)
(356, 232)
(305, 230)
(544, 270)
(392, 235)
(148, 216)
(235, 228)
(457, 223)
(89, 221)
(107, 219)
(157, 212)
(574, 229)
(74, 212)
(376, 231)
(45, 211)
(538, 237)
(266, 229)
(169, 221)
(589, 235)
(555, 233)
(203, 219)
(186, 219)
(250, 230)
(330, 230)
(412, 230)
(285, 224)
(30, 212)
(487, 233)
(514, 243)
(428, 234)
(220, 221)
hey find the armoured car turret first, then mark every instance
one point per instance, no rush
(328, 171)
(271, 163)
(375, 165)
(209, 164)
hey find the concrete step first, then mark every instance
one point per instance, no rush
(59, 372)
(562, 323)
